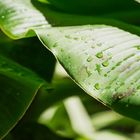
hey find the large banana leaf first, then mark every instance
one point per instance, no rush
(103, 60)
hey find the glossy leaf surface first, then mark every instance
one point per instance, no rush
(103, 60)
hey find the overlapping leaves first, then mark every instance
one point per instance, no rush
(101, 59)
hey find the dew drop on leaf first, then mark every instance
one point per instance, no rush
(76, 38)
(138, 47)
(105, 63)
(88, 72)
(55, 45)
(98, 68)
(99, 44)
(99, 55)
(97, 86)
(89, 59)
(68, 36)
(92, 46)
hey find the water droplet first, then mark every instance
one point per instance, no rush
(105, 75)
(76, 38)
(105, 63)
(138, 47)
(68, 36)
(97, 86)
(89, 59)
(99, 44)
(88, 72)
(99, 55)
(98, 68)
(92, 46)
(55, 45)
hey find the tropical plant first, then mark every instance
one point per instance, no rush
(97, 43)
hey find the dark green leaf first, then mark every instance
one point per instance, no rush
(18, 88)
(35, 131)
(94, 7)
(30, 53)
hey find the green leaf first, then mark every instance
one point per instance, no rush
(17, 17)
(138, 1)
(93, 7)
(29, 53)
(17, 26)
(59, 18)
(18, 88)
(103, 60)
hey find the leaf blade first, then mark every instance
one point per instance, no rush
(75, 55)
(103, 60)
(18, 17)
(18, 88)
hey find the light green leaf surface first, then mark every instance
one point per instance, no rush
(138, 1)
(103, 60)
(17, 17)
